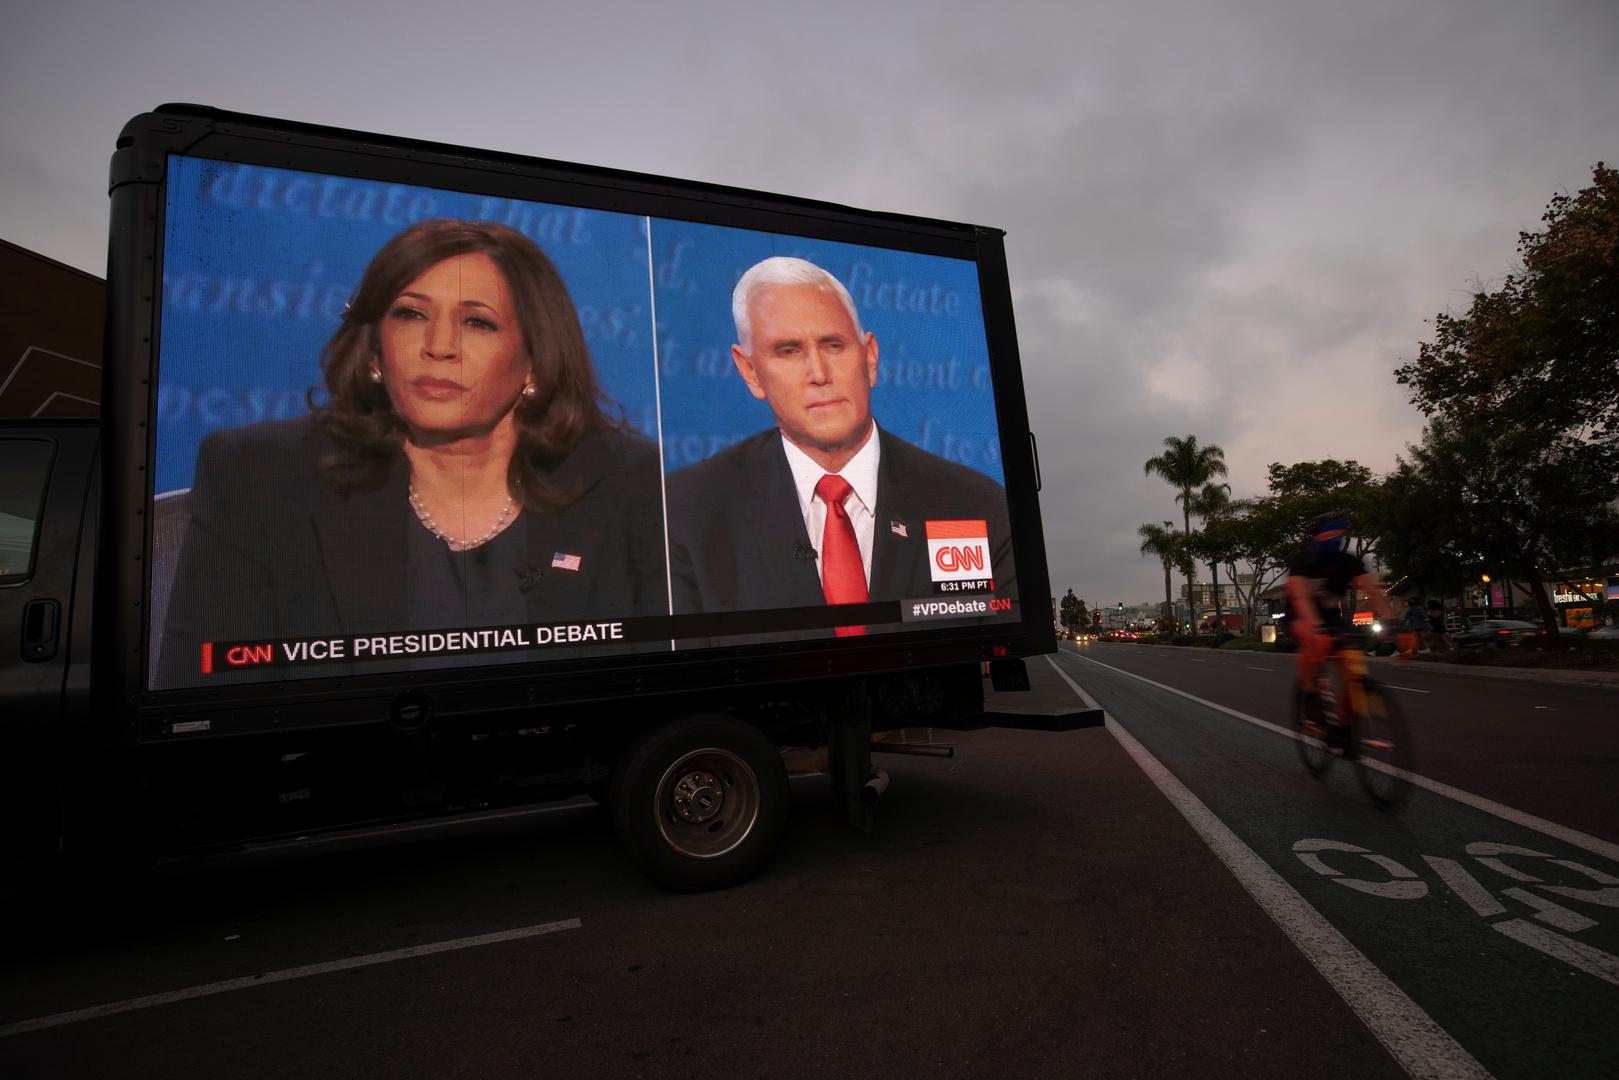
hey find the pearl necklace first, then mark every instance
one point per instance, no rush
(460, 545)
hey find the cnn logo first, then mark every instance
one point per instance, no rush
(951, 557)
(958, 550)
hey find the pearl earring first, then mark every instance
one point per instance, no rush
(376, 375)
(530, 391)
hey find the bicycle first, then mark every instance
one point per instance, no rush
(1370, 731)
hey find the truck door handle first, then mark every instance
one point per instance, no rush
(41, 620)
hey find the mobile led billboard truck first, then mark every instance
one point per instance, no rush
(546, 478)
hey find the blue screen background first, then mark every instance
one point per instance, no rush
(258, 263)
(933, 382)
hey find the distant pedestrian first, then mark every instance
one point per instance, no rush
(1438, 629)
(1414, 626)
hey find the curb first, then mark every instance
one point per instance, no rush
(1548, 675)
(1574, 677)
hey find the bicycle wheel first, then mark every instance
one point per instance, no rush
(1311, 741)
(1383, 757)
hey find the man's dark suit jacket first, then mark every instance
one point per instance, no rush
(272, 552)
(737, 540)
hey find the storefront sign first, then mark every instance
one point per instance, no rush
(1580, 592)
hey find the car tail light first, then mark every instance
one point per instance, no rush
(1503, 631)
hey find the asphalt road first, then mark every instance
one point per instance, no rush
(1040, 905)
(1488, 900)
(1548, 748)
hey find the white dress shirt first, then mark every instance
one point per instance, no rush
(861, 505)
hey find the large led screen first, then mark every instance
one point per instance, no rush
(402, 428)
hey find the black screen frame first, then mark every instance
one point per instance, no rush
(135, 264)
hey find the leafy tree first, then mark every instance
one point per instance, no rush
(1169, 547)
(1308, 489)
(1543, 348)
(1187, 466)
(1418, 542)
(1520, 457)
(1258, 534)
(1509, 499)
(1071, 611)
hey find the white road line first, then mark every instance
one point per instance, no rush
(147, 1002)
(1407, 689)
(1196, 661)
(1422, 1047)
(1605, 848)
(1252, 668)
(1574, 953)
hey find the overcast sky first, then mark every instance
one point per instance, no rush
(1224, 219)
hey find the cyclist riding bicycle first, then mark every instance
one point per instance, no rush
(1319, 576)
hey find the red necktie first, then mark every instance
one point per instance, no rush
(843, 575)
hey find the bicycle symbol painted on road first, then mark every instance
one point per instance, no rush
(1551, 921)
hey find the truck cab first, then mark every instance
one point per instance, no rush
(47, 558)
(50, 384)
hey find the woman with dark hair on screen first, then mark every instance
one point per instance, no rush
(461, 472)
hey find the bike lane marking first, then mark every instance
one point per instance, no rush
(1590, 843)
(1489, 854)
(1410, 1035)
(1515, 1004)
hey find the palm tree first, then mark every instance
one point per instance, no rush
(1208, 504)
(1164, 542)
(1187, 466)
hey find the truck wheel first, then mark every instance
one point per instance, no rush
(700, 802)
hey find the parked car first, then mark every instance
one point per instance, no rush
(1496, 632)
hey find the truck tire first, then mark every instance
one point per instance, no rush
(700, 802)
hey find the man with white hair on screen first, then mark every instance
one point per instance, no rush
(825, 507)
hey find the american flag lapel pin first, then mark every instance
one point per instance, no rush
(897, 527)
(564, 560)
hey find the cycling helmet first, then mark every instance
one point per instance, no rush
(1329, 535)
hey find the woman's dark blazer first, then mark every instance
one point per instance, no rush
(272, 552)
